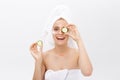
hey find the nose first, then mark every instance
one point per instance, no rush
(60, 31)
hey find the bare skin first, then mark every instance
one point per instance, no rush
(62, 56)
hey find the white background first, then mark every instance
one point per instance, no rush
(20, 25)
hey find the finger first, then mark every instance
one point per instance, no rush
(33, 54)
(41, 48)
(69, 33)
(73, 28)
(70, 27)
(33, 48)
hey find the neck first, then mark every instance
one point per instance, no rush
(61, 50)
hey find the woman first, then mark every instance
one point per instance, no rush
(61, 62)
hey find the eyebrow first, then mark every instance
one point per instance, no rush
(55, 26)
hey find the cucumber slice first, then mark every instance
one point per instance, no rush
(39, 43)
(64, 29)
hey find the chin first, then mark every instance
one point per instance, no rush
(61, 42)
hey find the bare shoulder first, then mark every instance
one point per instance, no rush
(74, 50)
(47, 53)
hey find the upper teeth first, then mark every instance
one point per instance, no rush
(60, 37)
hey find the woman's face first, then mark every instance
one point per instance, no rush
(59, 37)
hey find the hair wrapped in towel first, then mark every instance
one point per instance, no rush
(60, 11)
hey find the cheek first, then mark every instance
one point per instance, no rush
(54, 36)
(67, 36)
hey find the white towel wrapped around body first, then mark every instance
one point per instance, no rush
(65, 74)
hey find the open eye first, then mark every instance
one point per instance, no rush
(56, 28)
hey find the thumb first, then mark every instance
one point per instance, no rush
(68, 33)
(41, 48)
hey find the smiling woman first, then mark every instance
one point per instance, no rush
(59, 37)
(62, 61)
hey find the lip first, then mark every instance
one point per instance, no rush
(60, 38)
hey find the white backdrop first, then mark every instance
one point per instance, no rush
(20, 25)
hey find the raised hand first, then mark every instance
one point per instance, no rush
(36, 51)
(73, 32)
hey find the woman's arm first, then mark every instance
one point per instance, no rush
(39, 64)
(39, 71)
(84, 61)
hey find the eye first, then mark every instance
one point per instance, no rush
(56, 29)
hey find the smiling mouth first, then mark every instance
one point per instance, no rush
(60, 38)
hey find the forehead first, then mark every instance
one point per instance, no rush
(60, 22)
